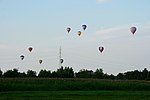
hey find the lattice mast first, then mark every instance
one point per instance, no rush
(59, 57)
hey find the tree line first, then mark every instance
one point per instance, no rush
(67, 72)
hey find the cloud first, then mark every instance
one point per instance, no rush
(3, 46)
(7, 48)
(122, 31)
(113, 32)
(109, 30)
(102, 1)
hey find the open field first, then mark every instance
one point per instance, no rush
(72, 89)
(75, 95)
(48, 84)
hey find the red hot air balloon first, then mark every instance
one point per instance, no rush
(101, 49)
(68, 29)
(133, 29)
(30, 49)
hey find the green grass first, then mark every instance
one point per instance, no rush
(75, 95)
(72, 89)
(48, 84)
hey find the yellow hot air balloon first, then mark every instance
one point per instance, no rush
(79, 33)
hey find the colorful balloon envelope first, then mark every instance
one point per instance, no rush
(30, 49)
(61, 61)
(101, 49)
(22, 57)
(84, 27)
(133, 30)
(40, 61)
(68, 29)
(79, 33)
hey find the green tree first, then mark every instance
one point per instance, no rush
(23, 74)
(15, 72)
(112, 77)
(137, 75)
(99, 74)
(44, 73)
(1, 73)
(120, 76)
(84, 73)
(31, 73)
(11, 73)
(60, 72)
(148, 76)
(68, 72)
(145, 74)
(106, 76)
(128, 75)
(54, 74)
(65, 72)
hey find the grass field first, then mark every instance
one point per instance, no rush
(72, 89)
(76, 95)
(48, 84)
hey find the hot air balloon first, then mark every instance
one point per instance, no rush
(101, 49)
(61, 61)
(68, 29)
(84, 27)
(22, 57)
(133, 29)
(30, 49)
(79, 33)
(40, 61)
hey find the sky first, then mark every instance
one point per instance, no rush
(42, 25)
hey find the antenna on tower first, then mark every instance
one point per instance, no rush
(60, 59)
(60, 56)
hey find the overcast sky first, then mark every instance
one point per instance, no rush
(42, 24)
